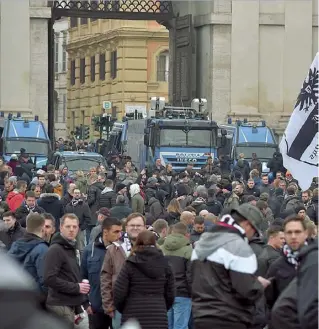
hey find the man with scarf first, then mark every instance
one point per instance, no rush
(28, 206)
(225, 289)
(62, 273)
(113, 262)
(283, 270)
(81, 209)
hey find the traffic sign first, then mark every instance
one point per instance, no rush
(107, 105)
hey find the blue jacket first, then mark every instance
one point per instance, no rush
(91, 265)
(30, 252)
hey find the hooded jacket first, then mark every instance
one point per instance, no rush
(22, 212)
(146, 282)
(52, 204)
(30, 252)
(224, 286)
(62, 273)
(107, 198)
(178, 251)
(91, 264)
(137, 201)
(82, 210)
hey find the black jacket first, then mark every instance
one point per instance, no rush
(62, 274)
(312, 210)
(255, 191)
(284, 313)
(13, 234)
(107, 198)
(22, 213)
(266, 258)
(52, 204)
(282, 273)
(223, 288)
(83, 212)
(307, 290)
(144, 289)
(214, 206)
(94, 193)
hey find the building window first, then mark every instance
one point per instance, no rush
(64, 51)
(113, 64)
(93, 68)
(82, 70)
(102, 66)
(64, 100)
(73, 22)
(56, 52)
(56, 106)
(72, 73)
(163, 66)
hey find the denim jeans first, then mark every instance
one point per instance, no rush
(179, 314)
(116, 321)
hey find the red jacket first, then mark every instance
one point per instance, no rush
(14, 200)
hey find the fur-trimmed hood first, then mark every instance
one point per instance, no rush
(50, 195)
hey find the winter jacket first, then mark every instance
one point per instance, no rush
(282, 273)
(83, 212)
(93, 200)
(224, 286)
(30, 251)
(107, 198)
(195, 236)
(199, 204)
(62, 273)
(284, 313)
(312, 210)
(172, 218)
(91, 264)
(138, 203)
(252, 191)
(22, 213)
(82, 184)
(214, 207)
(290, 203)
(13, 234)
(112, 265)
(155, 208)
(307, 288)
(52, 204)
(15, 200)
(266, 189)
(146, 282)
(266, 258)
(120, 211)
(97, 230)
(178, 250)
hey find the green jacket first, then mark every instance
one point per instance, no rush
(177, 245)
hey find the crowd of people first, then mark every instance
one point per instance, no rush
(223, 247)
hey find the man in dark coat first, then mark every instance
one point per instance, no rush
(91, 265)
(52, 204)
(31, 249)
(28, 206)
(81, 209)
(108, 195)
(120, 210)
(13, 231)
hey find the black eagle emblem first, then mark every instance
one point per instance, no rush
(308, 96)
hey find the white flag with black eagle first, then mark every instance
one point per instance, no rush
(299, 145)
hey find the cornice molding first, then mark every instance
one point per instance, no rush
(110, 39)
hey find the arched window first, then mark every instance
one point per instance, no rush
(163, 66)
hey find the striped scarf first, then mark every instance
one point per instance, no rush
(228, 221)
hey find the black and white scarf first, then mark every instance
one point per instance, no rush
(30, 209)
(229, 221)
(291, 255)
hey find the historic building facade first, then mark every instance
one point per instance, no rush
(118, 63)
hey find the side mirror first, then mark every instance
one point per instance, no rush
(147, 139)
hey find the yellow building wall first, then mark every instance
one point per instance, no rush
(138, 45)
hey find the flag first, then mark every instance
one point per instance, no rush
(299, 145)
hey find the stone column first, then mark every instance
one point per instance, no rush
(14, 56)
